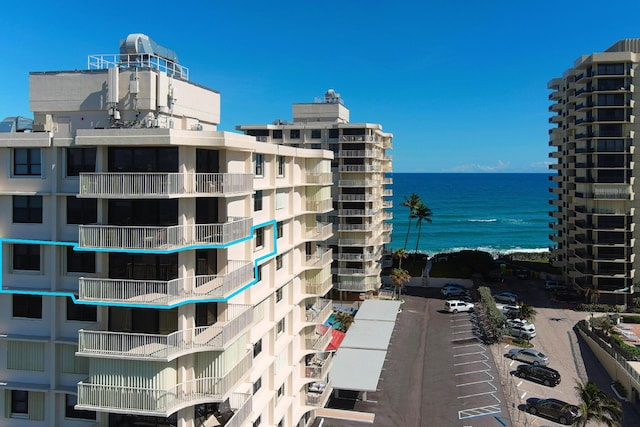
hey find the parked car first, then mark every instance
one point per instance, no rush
(456, 293)
(506, 297)
(528, 355)
(563, 412)
(455, 306)
(451, 286)
(521, 328)
(568, 295)
(542, 374)
(507, 308)
(554, 285)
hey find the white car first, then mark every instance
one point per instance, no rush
(521, 328)
(506, 297)
(455, 306)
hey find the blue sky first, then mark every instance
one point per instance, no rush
(462, 85)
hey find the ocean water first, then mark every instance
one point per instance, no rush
(497, 213)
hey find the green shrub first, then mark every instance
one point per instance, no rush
(598, 308)
(620, 388)
(630, 319)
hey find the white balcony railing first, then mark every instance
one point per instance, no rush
(319, 259)
(319, 366)
(162, 238)
(168, 292)
(317, 286)
(318, 393)
(357, 285)
(159, 401)
(319, 312)
(319, 206)
(321, 178)
(318, 341)
(116, 185)
(92, 343)
(321, 231)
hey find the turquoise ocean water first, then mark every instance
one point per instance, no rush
(497, 213)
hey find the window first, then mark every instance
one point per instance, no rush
(80, 312)
(259, 238)
(278, 262)
(281, 164)
(281, 199)
(80, 261)
(27, 306)
(257, 385)
(334, 133)
(280, 327)
(259, 278)
(27, 162)
(315, 133)
(82, 211)
(277, 134)
(280, 392)
(257, 201)
(278, 294)
(279, 229)
(19, 404)
(257, 422)
(26, 257)
(70, 412)
(257, 348)
(294, 134)
(27, 209)
(80, 160)
(259, 164)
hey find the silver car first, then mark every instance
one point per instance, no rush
(528, 355)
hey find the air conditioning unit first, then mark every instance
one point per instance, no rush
(42, 122)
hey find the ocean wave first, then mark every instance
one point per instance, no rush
(489, 249)
(483, 220)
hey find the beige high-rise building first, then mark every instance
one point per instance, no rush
(594, 216)
(157, 271)
(361, 186)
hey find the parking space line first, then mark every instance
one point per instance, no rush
(460, 326)
(472, 372)
(473, 337)
(468, 345)
(473, 383)
(469, 363)
(468, 354)
(461, 332)
(479, 412)
(478, 394)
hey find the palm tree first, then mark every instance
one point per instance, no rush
(423, 213)
(399, 277)
(527, 312)
(412, 203)
(400, 254)
(596, 405)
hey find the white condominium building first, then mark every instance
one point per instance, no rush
(594, 217)
(361, 186)
(157, 271)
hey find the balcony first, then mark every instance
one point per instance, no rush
(162, 238)
(317, 284)
(159, 185)
(321, 231)
(359, 154)
(319, 206)
(319, 365)
(356, 212)
(353, 284)
(359, 168)
(318, 341)
(168, 292)
(357, 197)
(318, 393)
(322, 178)
(358, 257)
(318, 312)
(241, 406)
(126, 345)
(160, 402)
(320, 259)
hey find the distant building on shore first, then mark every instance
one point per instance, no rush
(595, 218)
(361, 189)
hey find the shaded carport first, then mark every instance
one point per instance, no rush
(358, 362)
